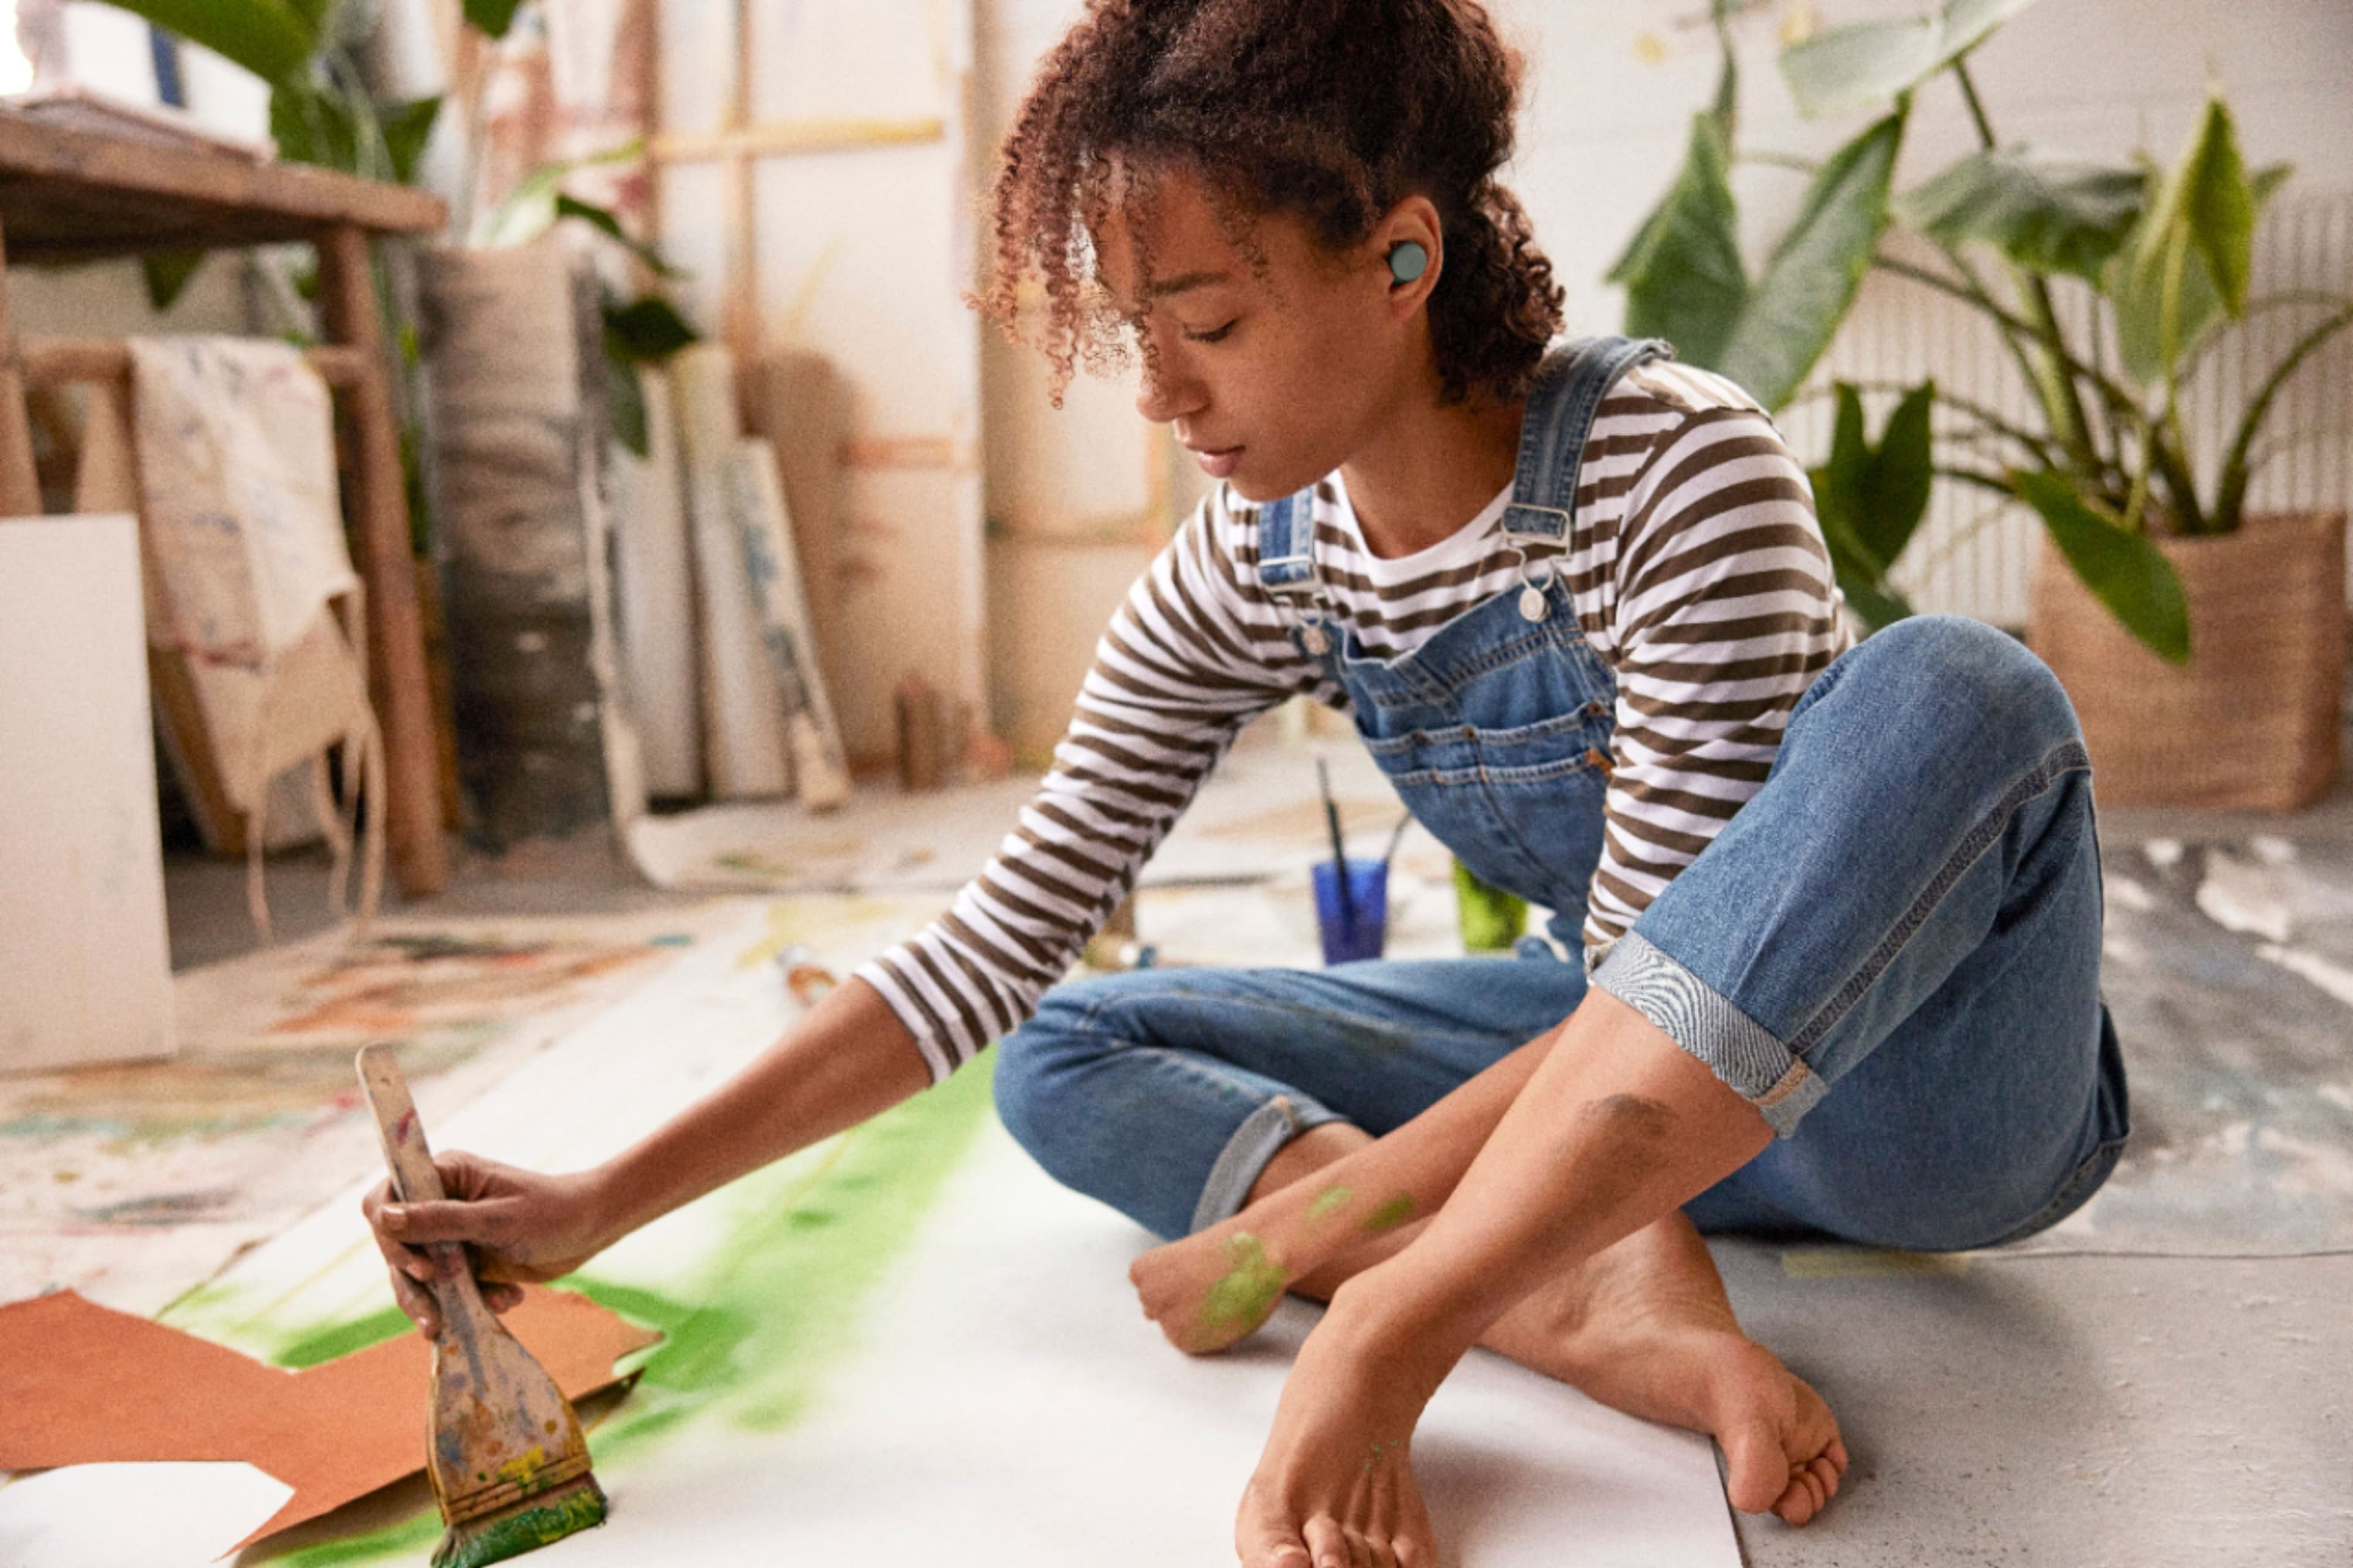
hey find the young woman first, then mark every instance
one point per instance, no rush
(1840, 906)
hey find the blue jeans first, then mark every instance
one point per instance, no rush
(1893, 949)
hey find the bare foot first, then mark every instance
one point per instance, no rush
(1334, 1487)
(1645, 1328)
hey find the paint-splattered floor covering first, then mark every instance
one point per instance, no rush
(900, 1313)
(2069, 1406)
(131, 1183)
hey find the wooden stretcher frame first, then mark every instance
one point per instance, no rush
(70, 194)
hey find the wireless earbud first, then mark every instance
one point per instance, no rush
(1407, 261)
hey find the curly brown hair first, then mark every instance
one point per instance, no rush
(1332, 111)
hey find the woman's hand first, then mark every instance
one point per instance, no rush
(519, 1227)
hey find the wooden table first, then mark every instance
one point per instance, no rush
(71, 195)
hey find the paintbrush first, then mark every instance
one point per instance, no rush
(1339, 851)
(506, 1457)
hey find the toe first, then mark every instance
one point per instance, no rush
(1327, 1544)
(1758, 1466)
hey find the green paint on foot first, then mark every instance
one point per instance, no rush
(1390, 1215)
(1252, 1285)
(1329, 1202)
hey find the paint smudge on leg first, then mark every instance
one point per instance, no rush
(1329, 1202)
(1390, 1215)
(1252, 1284)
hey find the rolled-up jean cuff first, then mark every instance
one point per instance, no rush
(1262, 1135)
(1704, 1022)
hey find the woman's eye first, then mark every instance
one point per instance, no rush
(1213, 335)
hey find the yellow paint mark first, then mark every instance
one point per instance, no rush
(1868, 1262)
(1650, 48)
(520, 1469)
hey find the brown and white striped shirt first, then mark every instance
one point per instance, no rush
(1697, 572)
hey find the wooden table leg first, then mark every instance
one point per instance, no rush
(397, 678)
(20, 488)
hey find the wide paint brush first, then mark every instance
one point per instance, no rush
(506, 1456)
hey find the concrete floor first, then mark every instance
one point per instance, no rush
(2018, 1408)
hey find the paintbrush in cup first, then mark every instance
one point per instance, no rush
(1339, 851)
(505, 1453)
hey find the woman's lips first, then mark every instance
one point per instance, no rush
(1218, 462)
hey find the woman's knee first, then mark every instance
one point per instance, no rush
(1996, 695)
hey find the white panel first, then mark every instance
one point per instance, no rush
(853, 59)
(693, 235)
(697, 66)
(107, 51)
(858, 262)
(85, 970)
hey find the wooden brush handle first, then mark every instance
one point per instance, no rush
(415, 1180)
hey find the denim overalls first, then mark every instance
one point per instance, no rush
(1495, 733)
(1908, 909)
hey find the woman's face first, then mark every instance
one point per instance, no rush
(1272, 375)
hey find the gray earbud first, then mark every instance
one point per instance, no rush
(1407, 261)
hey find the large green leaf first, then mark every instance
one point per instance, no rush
(1841, 69)
(407, 127)
(1896, 482)
(1796, 306)
(1683, 278)
(2186, 266)
(167, 273)
(1870, 500)
(646, 329)
(2047, 214)
(2127, 572)
(493, 16)
(605, 221)
(313, 126)
(274, 39)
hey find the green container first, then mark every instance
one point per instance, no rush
(1492, 918)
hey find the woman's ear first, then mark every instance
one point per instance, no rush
(1409, 246)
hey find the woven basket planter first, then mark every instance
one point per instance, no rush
(2252, 722)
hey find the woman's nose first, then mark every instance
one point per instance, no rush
(1166, 393)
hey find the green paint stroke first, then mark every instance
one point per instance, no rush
(582, 1508)
(327, 1345)
(752, 1341)
(1329, 1202)
(1390, 1215)
(1252, 1285)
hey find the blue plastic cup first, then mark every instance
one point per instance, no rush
(1369, 891)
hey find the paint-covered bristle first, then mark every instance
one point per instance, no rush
(551, 1516)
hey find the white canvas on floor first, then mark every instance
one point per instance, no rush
(1010, 1408)
(85, 967)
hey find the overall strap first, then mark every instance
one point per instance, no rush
(1286, 546)
(1562, 404)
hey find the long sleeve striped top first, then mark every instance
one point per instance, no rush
(1696, 569)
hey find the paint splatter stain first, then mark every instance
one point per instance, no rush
(1329, 1202)
(1252, 1285)
(1390, 1215)
(161, 1208)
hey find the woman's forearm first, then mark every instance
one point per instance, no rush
(846, 1059)
(1616, 1128)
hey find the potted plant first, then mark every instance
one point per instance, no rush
(2203, 648)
